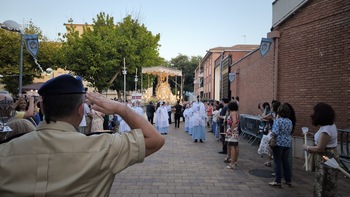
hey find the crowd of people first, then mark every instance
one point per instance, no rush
(279, 122)
(63, 115)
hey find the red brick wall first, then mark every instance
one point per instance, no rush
(314, 59)
(313, 64)
(254, 81)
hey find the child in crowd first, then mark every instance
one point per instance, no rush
(216, 113)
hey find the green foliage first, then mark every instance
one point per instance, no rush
(97, 54)
(10, 57)
(188, 66)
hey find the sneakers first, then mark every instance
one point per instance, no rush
(275, 184)
(227, 160)
(232, 166)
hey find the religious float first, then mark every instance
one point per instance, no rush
(163, 90)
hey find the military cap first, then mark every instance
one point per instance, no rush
(63, 84)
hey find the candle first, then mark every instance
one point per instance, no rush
(305, 130)
(334, 164)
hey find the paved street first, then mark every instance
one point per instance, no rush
(183, 168)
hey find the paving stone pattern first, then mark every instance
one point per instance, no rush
(183, 168)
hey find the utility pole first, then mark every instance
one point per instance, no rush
(124, 73)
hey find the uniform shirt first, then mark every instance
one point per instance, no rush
(56, 160)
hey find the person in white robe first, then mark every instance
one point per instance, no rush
(187, 118)
(123, 126)
(199, 121)
(138, 109)
(162, 118)
(190, 113)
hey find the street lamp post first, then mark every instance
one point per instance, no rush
(124, 73)
(20, 67)
(15, 27)
(136, 79)
(182, 83)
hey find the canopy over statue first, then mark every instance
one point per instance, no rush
(159, 70)
(163, 91)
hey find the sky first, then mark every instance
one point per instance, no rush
(187, 27)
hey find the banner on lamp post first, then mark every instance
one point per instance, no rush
(32, 43)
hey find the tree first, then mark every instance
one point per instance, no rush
(97, 54)
(188, 66)
(10, 54)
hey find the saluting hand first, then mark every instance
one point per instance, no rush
(102, 104)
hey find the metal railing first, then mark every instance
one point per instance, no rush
(249, 127)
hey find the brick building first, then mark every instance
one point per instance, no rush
(208, 81)
(308, 61)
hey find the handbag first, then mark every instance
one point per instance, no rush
(310, 162)
(272, 142)
(264, 147)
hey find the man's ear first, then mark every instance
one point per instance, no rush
(81, 110)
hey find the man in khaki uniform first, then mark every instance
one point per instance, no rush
(56, 160)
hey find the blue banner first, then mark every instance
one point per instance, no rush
(32, 43)
(265, 46)
(232, 76)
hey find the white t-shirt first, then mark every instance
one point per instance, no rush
(331, 130)
(215, 115)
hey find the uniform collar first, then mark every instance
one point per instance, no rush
(58, 125)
